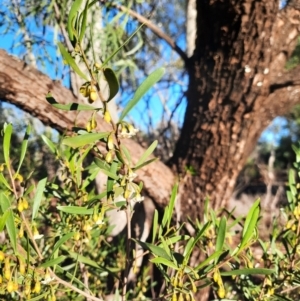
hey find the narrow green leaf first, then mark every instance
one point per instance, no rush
(10, 221)
(49, 143)
(6, 144)
(111, 177)
(172, 203)
(81, 140)
(188, 247)
(147, 153)
(71, 19)
(83, 23)
(3, 181)
(73, 106)
(52, 262)
(163, 261)
(154, 225)
(3, 219)
(144, 164)
(38, 197)
(102, 164)
(160, 252)
(126, 153)
(148, 83)
(254, 271)
(221, 234)
(208, 260)
(84, 260)
(70, 61)
(113, 83)
(250, 223)
(24, 147)
(75, 210)
(62, 241)
(39, 297)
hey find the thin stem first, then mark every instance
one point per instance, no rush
(128, 247)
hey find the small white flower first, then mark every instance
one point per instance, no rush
(128, 131)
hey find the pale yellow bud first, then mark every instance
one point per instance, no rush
(2, 255)
(93, 96)
(110, 142)
(107, 117)
(221, 292)
(10, 286)
(109, 157)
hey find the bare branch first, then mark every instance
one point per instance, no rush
(26, 88)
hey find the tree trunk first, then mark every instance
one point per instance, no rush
(237, 85)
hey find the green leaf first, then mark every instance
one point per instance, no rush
(10, 221)
(221, 234)
(76, 210)
(84, 260)
(163, 261)
(39, 297)
(250, 223)
(70, 61)
(62, 241)
(126, 153)
(188, 247)
(24, 147)
(172, 203)
(81, 140)
(102, 164)
(83, 23)
(160, 252)
(73, 106)
(113, 83)
(254, 271)
(3, 181)
(208, 260)
(52, 262)
(144, 164)
(38, 197)
(71, 19)
(6, 144)
(155, 225)
(148, 83)
(111, 177)
(3, 219)
(147, 153)
(49, 143)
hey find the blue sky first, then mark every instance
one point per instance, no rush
(155, 108)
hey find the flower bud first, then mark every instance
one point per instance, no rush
(107, 117)
(10, 286)
(93, 96)
(110, 142)
(2, 256)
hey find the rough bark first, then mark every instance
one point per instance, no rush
(26, 88)
(237, 85)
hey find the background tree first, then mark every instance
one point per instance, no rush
(235, 59)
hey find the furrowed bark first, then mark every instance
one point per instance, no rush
(236, 87)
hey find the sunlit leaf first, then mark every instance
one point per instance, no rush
(147, 153)
(70, 61)
(38, 197)
(24, 147)
(163, 261)
(62, 240)
(75, 210)
(148, 83)
(52, 262)
(73, 106)
(10, 221)
(71, 19)
(254, 271)
(84, 139)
